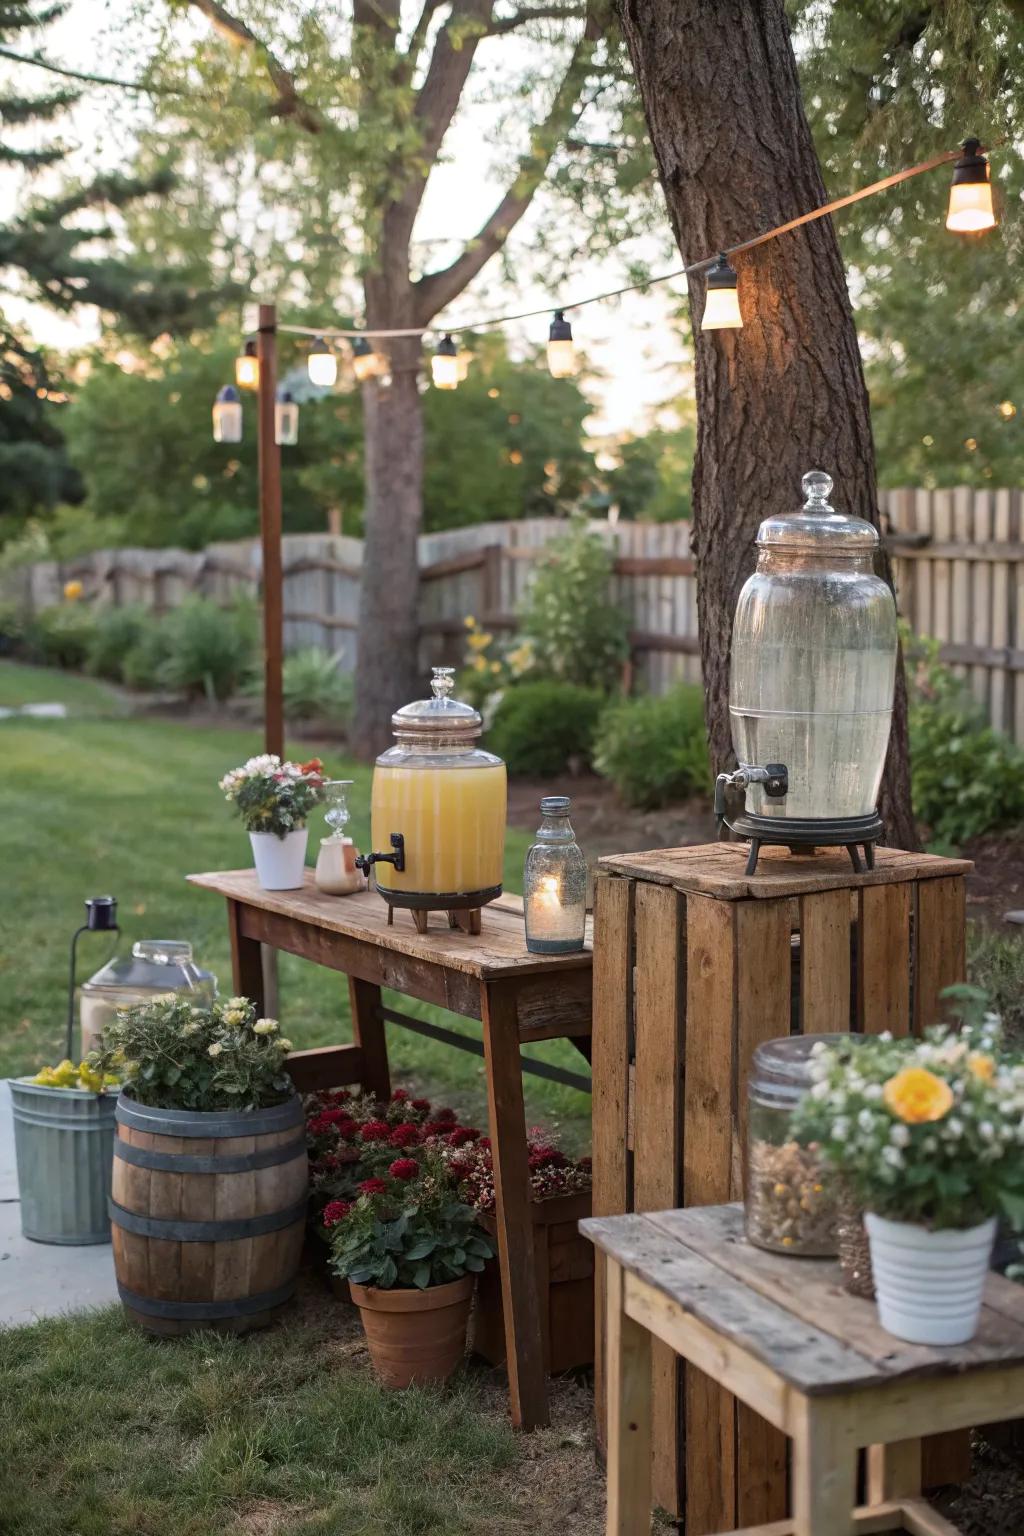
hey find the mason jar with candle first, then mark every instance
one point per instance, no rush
(437, 809)
(555, 884)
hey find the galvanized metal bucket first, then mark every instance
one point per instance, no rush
(64, 1144)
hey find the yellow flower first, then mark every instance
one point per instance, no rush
(981, 1066)
(479, 663)
(917, 1096)
(469, 621)
(73, 590)
(265, 1027)
(495, 666)
(285, 1043)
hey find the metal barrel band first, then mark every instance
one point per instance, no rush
(188, 1123)
(169, 1230)
(206, 1311)
(188, 1162)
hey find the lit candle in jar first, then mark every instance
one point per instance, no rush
(554, 884)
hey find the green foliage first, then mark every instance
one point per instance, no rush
(315, 688)
(12, 627)
(926, 1131)
(652, 479)
(116, 633)
(209, 650)
(175, 1055)
(995, 963)
(411, 1230)
(655, 750)
(578, 634)
(541, 728)
(60, 636)
(966, 778)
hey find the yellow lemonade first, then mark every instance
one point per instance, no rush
(453, 822)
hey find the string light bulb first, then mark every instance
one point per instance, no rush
(561, 352)
(722, 305)
(444, 365)
(286, 419)
(365, 363)
(970, 196)
(322, 365)
(227, 415)
(247, 367)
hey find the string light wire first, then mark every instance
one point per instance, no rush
(945, 157)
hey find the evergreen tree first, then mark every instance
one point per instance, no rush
(58, 250)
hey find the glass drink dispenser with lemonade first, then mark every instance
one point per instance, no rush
(438, 810)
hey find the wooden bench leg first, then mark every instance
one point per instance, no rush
(628, 1378)
(894, 1471)
(824, 1482)
(368, 1034)
(523, 1344)
(246, 961)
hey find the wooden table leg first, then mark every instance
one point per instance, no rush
(628, 1388)
(368, 1033)
(246, 960)
(824, 1480)
(894, 1471)
(523, 1345)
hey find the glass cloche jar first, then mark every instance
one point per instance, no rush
(155, 968)
(438, 808)
(814, 648)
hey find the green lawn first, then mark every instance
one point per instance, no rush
(108, 1433)
(129, 806)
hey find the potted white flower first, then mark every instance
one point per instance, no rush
(274, 800)
(928, 1137)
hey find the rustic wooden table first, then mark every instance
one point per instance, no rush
(518, 997)
(785, 1338)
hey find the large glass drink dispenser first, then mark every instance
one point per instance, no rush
(438, 811)
(814, 649)
(155, 968)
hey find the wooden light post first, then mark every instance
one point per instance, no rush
(269, 458)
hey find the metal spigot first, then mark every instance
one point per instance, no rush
(773, 776)
(365, 861)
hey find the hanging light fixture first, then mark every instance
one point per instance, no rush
(722, 305)
(247, 367)
(286, 419)
(561, 352)
(322, 365)
(970, 196)
(365, 362)
(444, 365)
(227, 416)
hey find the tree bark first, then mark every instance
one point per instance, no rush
(786, 393)
(388, 672)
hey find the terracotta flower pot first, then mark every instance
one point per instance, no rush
(415, 1337)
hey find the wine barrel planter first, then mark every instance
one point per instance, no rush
(208, 1214)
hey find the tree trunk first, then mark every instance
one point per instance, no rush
(786, 393)
(387, 675)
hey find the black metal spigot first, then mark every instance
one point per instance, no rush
(773, 779)
(365, 861)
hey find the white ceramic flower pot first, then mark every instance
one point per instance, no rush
(280, 861)
(929, 1284)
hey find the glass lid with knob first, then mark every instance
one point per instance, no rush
(438, 807)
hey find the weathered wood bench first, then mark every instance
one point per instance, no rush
(784, 1337)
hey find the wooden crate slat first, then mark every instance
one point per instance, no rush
(825, 978)
(657, 1118)
(884, 959)
(941, 946)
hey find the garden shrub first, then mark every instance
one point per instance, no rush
(539, 727)
(59, 636)
(966, 778)
(208, 650)
(576, 633)
(12, 628)
(314, 687)
(117, 632)
(655, 750)
(995, 962)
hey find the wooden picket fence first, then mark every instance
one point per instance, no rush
(959, 566)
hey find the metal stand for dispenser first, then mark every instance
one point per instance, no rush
(856, 834)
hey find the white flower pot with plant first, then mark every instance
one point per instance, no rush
(928, 1136)
(274, 799)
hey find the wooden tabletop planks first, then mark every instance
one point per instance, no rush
(718, 869)
(499, 950)
(767, 1302)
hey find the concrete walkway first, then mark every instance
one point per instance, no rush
(42, 1279)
